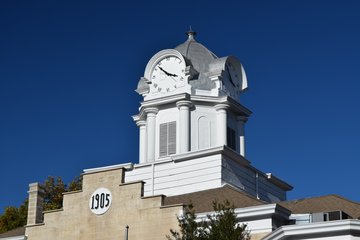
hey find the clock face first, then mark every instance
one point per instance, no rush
(168, 74)
(232, 84)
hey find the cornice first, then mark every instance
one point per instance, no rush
(184, 97)
(209, 99)
(254, 212)
(126, 166)
(278, 182)
(165, 100)
(235, 156)
(20, 237)
(234, 105)
(238, 108)
(316, 230)
(197, 154)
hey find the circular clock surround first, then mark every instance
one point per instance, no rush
(166, 72)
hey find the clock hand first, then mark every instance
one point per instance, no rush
(172, 75)
(164, 71)
(167, 73)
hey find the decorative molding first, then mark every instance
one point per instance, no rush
(242, 119)
(349, 227)
(140, 123)
(22, 237)
(165, 100)
(127, 166)
(197, 154)
(151, 110)
(209, 99)
(278, 182)
(235, 156)
(185, 103)
(255, 212)
(221, 106)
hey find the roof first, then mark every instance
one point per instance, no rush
(200, 58)
(20, 231)
(342, 229)
(326, 203)
(203, 200)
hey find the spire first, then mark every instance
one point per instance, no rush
(191, 34)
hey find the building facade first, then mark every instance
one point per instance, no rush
(191, 150)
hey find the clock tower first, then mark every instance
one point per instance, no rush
(191, 126)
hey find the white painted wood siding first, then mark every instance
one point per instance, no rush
(174, 178)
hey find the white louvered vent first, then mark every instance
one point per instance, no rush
(172, 138)
(167, 144)
(163, 139)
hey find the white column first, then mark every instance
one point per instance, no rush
(221, 123)
(184, 125)
(142, 141)
(241, 132)
(150, 133)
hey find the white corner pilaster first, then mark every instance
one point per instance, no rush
(241, 120)
(184, 125)
(221, 123)
(142, 141)
(150, 133)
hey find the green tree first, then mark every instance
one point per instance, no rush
(189, 228)
(54, 188)
(13, 217)
(75, 184)
(222, 225)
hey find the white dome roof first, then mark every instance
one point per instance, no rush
(199, 57)
(197, 54)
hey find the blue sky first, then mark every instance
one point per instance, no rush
(68, 70)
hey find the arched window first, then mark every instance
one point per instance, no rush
(204, 134)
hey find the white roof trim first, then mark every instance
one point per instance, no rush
(342, 227)
(21, 237)
(246, 212)
(107, 168)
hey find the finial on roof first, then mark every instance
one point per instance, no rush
(191, 34)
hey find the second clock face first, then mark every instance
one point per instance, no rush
(168, 74)
(232, 81)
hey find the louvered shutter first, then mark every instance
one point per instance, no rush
(163, 140)
(172, 138)
(231, 138)
(167, 144)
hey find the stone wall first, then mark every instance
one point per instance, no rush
(145, 216)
